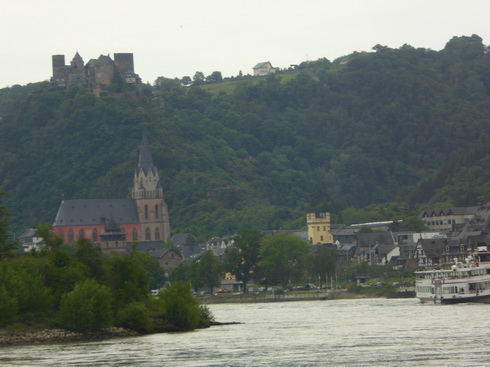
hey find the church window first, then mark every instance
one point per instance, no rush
(157, 234)
(157, 212)
(95, 236)
(146, 211)
(81, 233)
(71, 235)
(135, 234)
(147, 234)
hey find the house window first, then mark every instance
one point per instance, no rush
(146, 211)
(324, 228)
(321, 238)
(95, 236)
(317, 228)
(71, 235)
(157, 212)
(147, 234)
(157, 234)
(135, 234)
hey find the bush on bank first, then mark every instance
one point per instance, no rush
(86, 308)
(74, 291)
(180, 309)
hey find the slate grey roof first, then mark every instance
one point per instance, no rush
(436, 247)
(376, 238)
(261, 65)
(468, 210)
(179, 239)
(77, 57)
(96, 211)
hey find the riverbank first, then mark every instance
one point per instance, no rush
(19, 337)
(285, 297)
(60, 335)
(318, 295)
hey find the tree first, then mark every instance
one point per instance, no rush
(155, 272)
(215, 77)
(91, 256)
(413, 223)
(283, 258)
(6, 246)
(51, 239)
(186, 80)
(210, 270)
(8, 307)
(322, 263)
(87, 307)
(198, 78)
(129, 278)
(244, 255)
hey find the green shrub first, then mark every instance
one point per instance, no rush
(279, 291)
(8, 307)
(181, 309)
(135, 316)
(32, 297)
(87, 307)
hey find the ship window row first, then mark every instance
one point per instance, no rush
(449, 290)
(479, 286)
(451, 274)
(424, 289)
(441, 222)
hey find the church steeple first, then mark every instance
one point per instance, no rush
(146, 179)
(145, 161)
(148, 195)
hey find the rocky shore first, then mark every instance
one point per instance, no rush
(60, 335)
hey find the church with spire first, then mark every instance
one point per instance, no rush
(115, 223)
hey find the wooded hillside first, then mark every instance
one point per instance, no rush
(392, 129)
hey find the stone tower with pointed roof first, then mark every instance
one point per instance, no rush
(142, 218)
(148, 195)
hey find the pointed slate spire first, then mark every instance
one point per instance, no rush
(145, 160)
(77, 57)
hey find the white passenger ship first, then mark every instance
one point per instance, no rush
(464, 282)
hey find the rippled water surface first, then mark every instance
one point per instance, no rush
(368, 332)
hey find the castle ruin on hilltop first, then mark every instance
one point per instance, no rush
(96, 73)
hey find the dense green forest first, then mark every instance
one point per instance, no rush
(374, 137)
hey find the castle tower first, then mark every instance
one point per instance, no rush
(319, 228)
(148, 195)
(124, 62)
(59, 70)
(77, 64)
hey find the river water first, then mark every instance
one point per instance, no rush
(365, 332)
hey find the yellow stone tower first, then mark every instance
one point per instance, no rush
(319, 228)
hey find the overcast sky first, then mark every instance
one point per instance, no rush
(179, 37)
